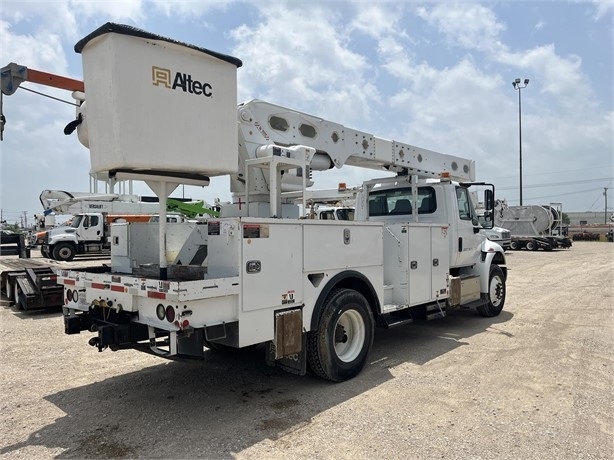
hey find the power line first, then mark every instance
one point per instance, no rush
(592, 168)
(577, 192)
(556, 184)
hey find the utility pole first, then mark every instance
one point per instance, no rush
(517, 86)
(605, 211)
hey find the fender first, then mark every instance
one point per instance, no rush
(350, 279)
(492, 253)
(63, 234)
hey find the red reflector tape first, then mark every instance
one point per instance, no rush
(156, 295)
(67, 281)
(117, 288)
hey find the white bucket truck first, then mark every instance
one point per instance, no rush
(311, 290)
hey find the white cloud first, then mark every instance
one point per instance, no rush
(187, 9)
(377, 20)
(41, 49)
(308, 67)
(603, 8)
(468, 25)
(112, 10)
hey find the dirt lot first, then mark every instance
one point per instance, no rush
(535, 382)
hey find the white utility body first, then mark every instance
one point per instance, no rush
(311, 290)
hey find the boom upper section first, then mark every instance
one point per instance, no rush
(262, 123)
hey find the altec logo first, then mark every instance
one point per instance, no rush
(160, 76)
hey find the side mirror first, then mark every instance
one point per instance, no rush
(489, 200)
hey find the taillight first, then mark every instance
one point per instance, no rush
(160, 312)
(170, 314)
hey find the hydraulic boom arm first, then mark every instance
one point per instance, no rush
(13, 75)
(262, 124)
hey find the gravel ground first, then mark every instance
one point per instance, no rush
(535, 382)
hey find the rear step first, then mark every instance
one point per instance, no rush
(397, 318)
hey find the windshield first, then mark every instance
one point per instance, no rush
(76, 221)
(345, 214)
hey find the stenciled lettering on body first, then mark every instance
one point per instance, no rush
(183, 81)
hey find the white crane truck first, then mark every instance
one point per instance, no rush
(93, 215)
(89, 231)
(311, 290)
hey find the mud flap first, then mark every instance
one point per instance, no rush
(294, 364)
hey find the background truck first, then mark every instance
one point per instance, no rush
(533, 227)
(312, 291)
(501, 236)
(93, 213)
(88, 233)
(324, 212)
(89, 230)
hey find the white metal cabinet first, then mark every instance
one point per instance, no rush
(272, 264)
(416, 263)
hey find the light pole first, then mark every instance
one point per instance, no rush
(516, 84)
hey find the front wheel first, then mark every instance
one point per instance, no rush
(45, 253)
(496, 293)
(64, 252)
(337, 350)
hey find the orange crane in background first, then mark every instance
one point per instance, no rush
(13, 75)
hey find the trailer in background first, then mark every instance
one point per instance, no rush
(533, 227)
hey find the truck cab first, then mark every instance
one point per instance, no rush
(429, 202)
(331, 213)
(86, 233)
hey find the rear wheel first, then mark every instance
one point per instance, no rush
(16, 292)
(337, 350)
(64, 251)
(531, 246)
(513, 245)
(496, 293)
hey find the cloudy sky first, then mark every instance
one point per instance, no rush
(433, 74)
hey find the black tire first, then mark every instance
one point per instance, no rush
(496, 293)
(513, 245)
(531, 246)
(337, 350)
(45, 253)
(64, 251)
(16, 301)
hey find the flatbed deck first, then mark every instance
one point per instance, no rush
(30, 283)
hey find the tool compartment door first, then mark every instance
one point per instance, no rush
(428, 263)
(419, 264)
(272, 256)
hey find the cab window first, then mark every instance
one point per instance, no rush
(399, 201)
(464, 204)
